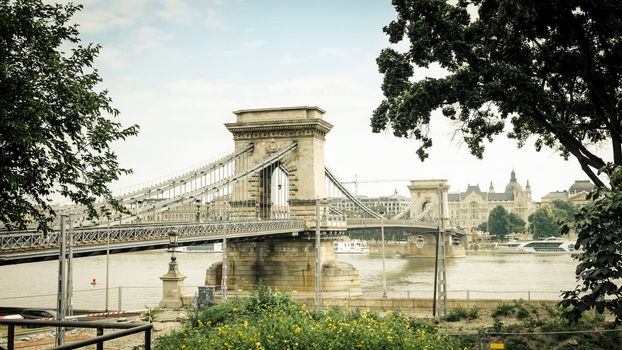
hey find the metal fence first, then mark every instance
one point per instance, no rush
(141, 297)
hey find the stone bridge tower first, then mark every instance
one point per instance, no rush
(271, 130)
(283, 261)
(430, 196)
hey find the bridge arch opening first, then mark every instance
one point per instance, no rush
(274, 198)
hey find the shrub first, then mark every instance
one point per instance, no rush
(461, 313)
(268, 320)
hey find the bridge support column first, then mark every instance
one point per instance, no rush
(287, 264)
(424, 245)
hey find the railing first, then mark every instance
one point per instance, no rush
(28, 241)
(388, 222)
(128, 329)
(140, 297)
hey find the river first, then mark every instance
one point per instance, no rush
(483, 275)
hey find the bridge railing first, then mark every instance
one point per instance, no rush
(387, 222)
(25, 241)
(335, 221)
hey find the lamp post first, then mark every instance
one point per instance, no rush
(172, 238)
(173, 279)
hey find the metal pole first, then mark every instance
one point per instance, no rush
(62, 283)
(120, 298)
(384, 271)
(318, 256)
(107, 264)
(224, 264)
(438, 233)
(69, 292)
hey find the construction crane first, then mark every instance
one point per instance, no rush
(356, 182)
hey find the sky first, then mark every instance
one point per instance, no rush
(178, 68)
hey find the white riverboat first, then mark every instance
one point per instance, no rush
(354, 246)
(202, 248)
(551, 245)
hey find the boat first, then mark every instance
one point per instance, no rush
(551, 245)
(201, 248)
(355, 246)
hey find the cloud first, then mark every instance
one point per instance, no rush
(334, 52)
(148, 37)
(180, 11)
(253, 44)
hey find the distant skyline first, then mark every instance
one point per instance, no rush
(179, 69)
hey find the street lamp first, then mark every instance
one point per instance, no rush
(173, 279)
(172, 238)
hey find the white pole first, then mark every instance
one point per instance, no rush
(107, 264)
(224, 264)
(62, 283)
(384, 271)
(69, 306)
(318, 257)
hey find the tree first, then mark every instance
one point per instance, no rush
(550, 69)
(544, 223)
(517, 224)
(599, 266)
(55, 125)
(499, 222)
(564, 211)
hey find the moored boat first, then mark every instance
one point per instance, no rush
(354, 246)
(551, 245)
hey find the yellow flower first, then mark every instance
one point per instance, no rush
(245, 324)
(297, 329)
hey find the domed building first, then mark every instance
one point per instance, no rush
(576, 194)
(470, 208)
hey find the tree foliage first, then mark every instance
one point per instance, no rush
(547, 221)
(517, 224)
(550, 69)
(564, 210)
(55, 125)
(544, 223)
(599, 230)
(499, 222)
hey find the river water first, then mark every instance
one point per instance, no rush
(479, 276)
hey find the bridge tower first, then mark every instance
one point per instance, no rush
(287, 261)
(271, 130)
(430, 196)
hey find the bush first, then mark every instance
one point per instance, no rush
(518, 308)
(268, 320)
(461, 313)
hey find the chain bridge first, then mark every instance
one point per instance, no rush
(269, 188)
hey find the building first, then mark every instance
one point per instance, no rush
(576, 194)
(469, 209)
(392, 206)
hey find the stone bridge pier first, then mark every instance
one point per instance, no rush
(288, 264)
(284, 262)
